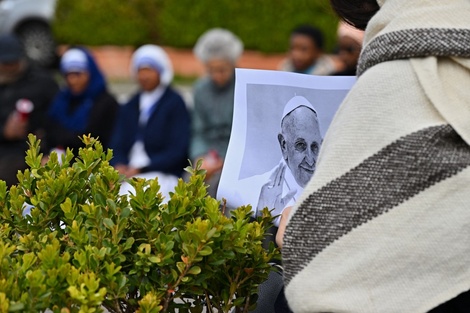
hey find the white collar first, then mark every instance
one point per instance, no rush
(147, 100)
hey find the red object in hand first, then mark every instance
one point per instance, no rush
(213, 156)
(24, 107)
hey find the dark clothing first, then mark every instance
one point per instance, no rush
(347, 72)
(165, 136)
(93, 111)
(39, 87)
(212, 117)
(460, 304)
(100, 124)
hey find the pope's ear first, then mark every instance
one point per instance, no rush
(282, 144)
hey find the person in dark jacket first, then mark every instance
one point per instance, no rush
(84, 106)
(152, 134)
(25, 94)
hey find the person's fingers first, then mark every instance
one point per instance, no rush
(281, 175)
(289, 196)
(282, 225)
(274, 177)
(278, 175)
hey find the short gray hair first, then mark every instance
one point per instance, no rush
(218, 43)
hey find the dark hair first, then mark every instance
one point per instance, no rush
(313, 33)
(355, 12)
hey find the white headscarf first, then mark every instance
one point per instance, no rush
(153, 56)
(74, 60)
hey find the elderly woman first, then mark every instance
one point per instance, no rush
(219, 50)
(83, 106)
(152, 133)
(383, 226)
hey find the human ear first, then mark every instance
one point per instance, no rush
(282, 144)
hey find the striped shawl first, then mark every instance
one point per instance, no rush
(384, 225)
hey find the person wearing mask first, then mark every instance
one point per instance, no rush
(152, 133)
(83, 106)
(306, 55)
(383, 225)
(25, 95)
(219, 50)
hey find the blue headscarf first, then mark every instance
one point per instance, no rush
(78, 119)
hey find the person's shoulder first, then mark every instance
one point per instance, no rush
(202, 84)
(106, 97)
(36, 74)
(286, 65)
(132, 102)
(327, 64)
(173, 95)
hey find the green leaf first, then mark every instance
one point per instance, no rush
(100, 199)
(15, 307)
(108, 223)
(125, 212)
(239, 301)
(155, 259)
(181, 266)
(129, 242)
(194, 270)
(207, 250)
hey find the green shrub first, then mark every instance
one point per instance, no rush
(104, 22)
(84, 246)
(262, 25)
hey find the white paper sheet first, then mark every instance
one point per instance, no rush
(254, 152)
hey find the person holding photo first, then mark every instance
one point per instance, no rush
(383, 226)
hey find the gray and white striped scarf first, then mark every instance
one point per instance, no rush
(384, 225)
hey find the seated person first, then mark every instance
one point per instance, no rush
(306, 54)
(83, 106)
(219, 50)
(349, 48)
(152, 133)
(25, 95)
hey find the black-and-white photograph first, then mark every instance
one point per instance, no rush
(280, 120)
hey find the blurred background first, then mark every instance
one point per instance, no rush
(113, 29)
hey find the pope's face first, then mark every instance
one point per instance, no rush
(300, 141)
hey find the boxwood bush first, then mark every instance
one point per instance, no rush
(83, 246)
(263, 24)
